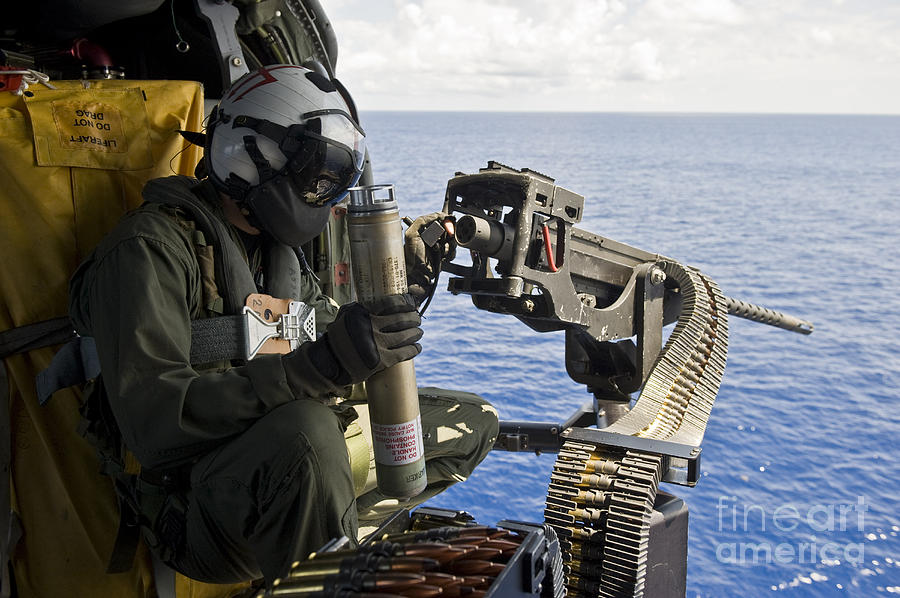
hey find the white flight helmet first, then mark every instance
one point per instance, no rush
(283, 144)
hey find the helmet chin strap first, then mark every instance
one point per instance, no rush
(263, 167)
(234, 186)
(248, 215)
(239, 217)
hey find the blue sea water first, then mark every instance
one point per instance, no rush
(799, 213)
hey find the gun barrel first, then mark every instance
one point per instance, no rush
(764, 315)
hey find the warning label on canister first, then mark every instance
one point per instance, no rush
(398, 444)
(393, 276)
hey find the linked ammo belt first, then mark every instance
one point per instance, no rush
(600, 497)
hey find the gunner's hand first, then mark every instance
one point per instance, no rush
(425, 247)
(366, 338)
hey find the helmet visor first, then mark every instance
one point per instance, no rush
(330, 160)
(339, 128)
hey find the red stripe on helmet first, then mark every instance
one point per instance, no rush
(266, 74)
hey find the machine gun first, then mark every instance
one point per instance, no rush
(530, 261)
(554, 276)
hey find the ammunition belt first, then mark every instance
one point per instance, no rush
(439, 561)
(600, 498)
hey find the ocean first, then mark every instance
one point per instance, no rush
(798, 495)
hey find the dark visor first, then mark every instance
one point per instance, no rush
(330, 157)
(325, 153)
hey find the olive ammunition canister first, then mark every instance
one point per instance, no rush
(379, 269)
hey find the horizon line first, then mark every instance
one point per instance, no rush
(635, 112)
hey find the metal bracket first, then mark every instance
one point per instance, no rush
(222, 17)
(297, 326)
(519, 436)
(681, 462)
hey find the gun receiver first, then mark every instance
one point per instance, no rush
(554, 276)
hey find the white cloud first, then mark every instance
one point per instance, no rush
(619, 54)
(697, 11)
(642, 62)
(821, 35)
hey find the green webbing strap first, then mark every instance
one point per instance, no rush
(358, 451)
(35, 336)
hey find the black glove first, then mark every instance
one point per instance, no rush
(362, 340)
(423, 260)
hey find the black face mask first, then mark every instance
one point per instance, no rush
(276, 209)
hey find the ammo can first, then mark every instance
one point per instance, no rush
(379, 269)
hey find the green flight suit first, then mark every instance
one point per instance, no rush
(260, 447)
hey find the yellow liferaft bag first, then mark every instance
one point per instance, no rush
(72, 161)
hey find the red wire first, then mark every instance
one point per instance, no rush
(548, 249)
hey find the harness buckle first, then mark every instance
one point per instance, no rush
(296, 326)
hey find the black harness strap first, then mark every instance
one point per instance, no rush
(121, 559)
(212, 339)
(47, 333)
(218, 339)
(76, 363)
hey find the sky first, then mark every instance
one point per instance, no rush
(762, 56)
